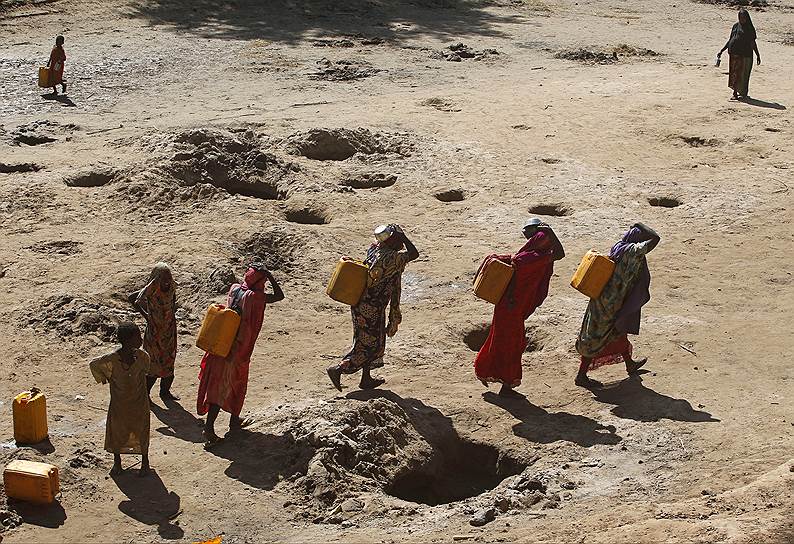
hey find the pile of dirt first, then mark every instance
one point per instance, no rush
(441, 104)
(339, 453)
(74, 317)
(457, 52)
(340, 144)
(349, 41)
(41, 132)
(56, 247)
(207, 163)
(343, 70)
(279, 248)
(605, 55)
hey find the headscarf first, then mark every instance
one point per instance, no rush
(539, 245)
(628, 317)
(748, 27)
(632, 236)
(155, 281)
(254, 278)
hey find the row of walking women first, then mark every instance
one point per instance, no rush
(223, 381)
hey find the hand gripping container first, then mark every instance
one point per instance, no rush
(218, 330)
(492, 281)
(348, 282)
(32, 482)
(593, 274)
(30, 417)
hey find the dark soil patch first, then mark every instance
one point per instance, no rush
(469, 469)
(441, 104)
(369, 180)
(340, 144)
(450, 195)
(458, 52)
(19, 168)
(277, 248)
(56, 247)
(697, 141)
(605, 55)
(664, 201)
(554, 210)
(737, 3)
(307, 215)
(41, 132)
(475, 337)
(91, 177)
(70, 316)
(343, 70)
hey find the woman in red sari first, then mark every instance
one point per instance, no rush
(223, 381)
(55, 64)
(499, 359)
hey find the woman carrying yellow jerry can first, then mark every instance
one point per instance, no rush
(386, 259)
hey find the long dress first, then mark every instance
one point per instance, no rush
(223, 381)
(127, 427)
(57, 60)
(499, 359)
(615, 313)
(741, 45)
(370, 329)
(159, 340)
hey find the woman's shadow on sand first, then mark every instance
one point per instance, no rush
(633, 400)
(538, 425)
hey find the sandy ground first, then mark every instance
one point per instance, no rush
(172, 103)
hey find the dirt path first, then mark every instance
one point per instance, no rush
(186, 137)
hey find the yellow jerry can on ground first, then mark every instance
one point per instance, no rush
(218, 330)
(31, 481)
(492, 281)
(44, 76)
(30, 417)
(348, 282)
(593, 274)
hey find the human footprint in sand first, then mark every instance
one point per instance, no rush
(386, 260)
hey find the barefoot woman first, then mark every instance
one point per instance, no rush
(615, 313)
(499, 359)
(223, 381)
(386, 261)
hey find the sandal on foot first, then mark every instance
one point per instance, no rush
(210, 440)
(241, 423)
(634, 366)
(336, 377)
(588, 383)
(376, 382)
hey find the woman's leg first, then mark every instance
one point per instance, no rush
(144, 465)
(209, 426)
(633, 366)
(116, 464)
(582, 379)
(367, 381)
(150, 383)
(165, 389)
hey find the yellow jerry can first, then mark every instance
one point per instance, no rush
(44, 76)
(593, 274)
(31, 481)
(348, 282)
(30, 417)
(492, 281)
(218, 330)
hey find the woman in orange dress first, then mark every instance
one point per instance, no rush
(55, 64)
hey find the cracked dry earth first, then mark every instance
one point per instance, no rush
(209, 133)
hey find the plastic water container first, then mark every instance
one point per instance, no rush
(44, 76)
(492, 281)
(30, 417)
(348, 282)
(31, 481)
(218, 330)
(593, 274)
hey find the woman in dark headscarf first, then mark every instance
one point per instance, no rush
(499, 359)
(386, 260)
(741, 46)
(615, 313)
